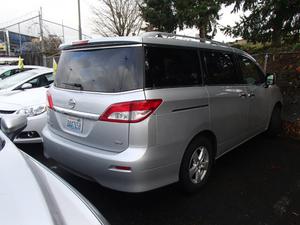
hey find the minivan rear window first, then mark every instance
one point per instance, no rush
(101, 70)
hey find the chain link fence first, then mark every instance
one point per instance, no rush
(286, 66)
(35, 39)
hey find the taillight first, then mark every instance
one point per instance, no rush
(130, 112)
(50, 100)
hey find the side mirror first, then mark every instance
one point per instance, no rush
(26, 86)
(270, 79)
(12, 125)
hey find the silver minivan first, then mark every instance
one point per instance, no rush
(138, 113)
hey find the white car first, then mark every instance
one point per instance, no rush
(9, 60)
(7, 71)
(31, 194)
(26, 94)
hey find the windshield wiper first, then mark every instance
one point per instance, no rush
(77, 85)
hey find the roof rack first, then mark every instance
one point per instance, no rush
(157, 34)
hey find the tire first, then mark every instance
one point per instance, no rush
(196, 165)
(275, 125)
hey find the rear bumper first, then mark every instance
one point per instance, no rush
(34, 124)
(97, 164)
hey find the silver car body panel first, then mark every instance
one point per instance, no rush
(152, 150)
(113, 136)
(30, 193)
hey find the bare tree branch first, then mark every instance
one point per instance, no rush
(117, 17)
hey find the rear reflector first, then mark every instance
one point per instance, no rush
(125, 169)
(49, 100)
(122, 167)
(130, 112)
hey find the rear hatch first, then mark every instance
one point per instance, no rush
(88, 81)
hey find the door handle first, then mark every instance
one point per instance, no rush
(243, 95)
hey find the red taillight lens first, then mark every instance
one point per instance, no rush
(50, 101)
(130, 112)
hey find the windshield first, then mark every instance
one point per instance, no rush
(4, 68)
(17, 78)
(101, 70)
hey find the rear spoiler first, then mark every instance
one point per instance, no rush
(86, 44)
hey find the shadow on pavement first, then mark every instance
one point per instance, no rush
(257, 183)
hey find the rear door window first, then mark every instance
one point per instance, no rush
(221, 68)
(171, 67)
(101, 70)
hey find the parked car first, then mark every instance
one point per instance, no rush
(7, 71)
(32, 194)
(9, 61)
(26, 94)
(138, 113)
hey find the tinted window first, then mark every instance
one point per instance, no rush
(50, 78)
(220, 68)
(167, 67)
(250, 71)
(41, 81)
(101, 70)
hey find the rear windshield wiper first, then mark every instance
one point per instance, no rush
(77, 85)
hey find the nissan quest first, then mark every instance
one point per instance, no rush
(138, 113)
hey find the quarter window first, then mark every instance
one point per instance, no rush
(220, 68)
(250, 71)
(171, 67)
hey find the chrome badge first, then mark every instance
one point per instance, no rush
(72, 103)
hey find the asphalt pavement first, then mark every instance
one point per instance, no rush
(256, 184)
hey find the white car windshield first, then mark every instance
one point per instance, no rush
(4, 69)
(16, 79)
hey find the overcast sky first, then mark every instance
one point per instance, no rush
(66, 10)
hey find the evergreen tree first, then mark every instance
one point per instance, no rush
(268, 20)
(203, 14)
(160, 15)
(167, 15)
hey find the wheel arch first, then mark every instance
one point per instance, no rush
(207, 134)
(278, 104)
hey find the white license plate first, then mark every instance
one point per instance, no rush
(74, 124)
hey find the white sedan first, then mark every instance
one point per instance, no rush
(25, 94)
(30, 194)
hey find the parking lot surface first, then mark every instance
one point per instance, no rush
(257, 184)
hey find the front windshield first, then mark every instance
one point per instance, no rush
(17, 78)
(4, 69)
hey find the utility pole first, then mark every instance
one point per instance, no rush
(79, 22)
(63, 31)
(7, 42)
(20, 39)
(266, 62)
(42, 36)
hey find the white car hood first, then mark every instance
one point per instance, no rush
(32, 195)
(14, 100)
